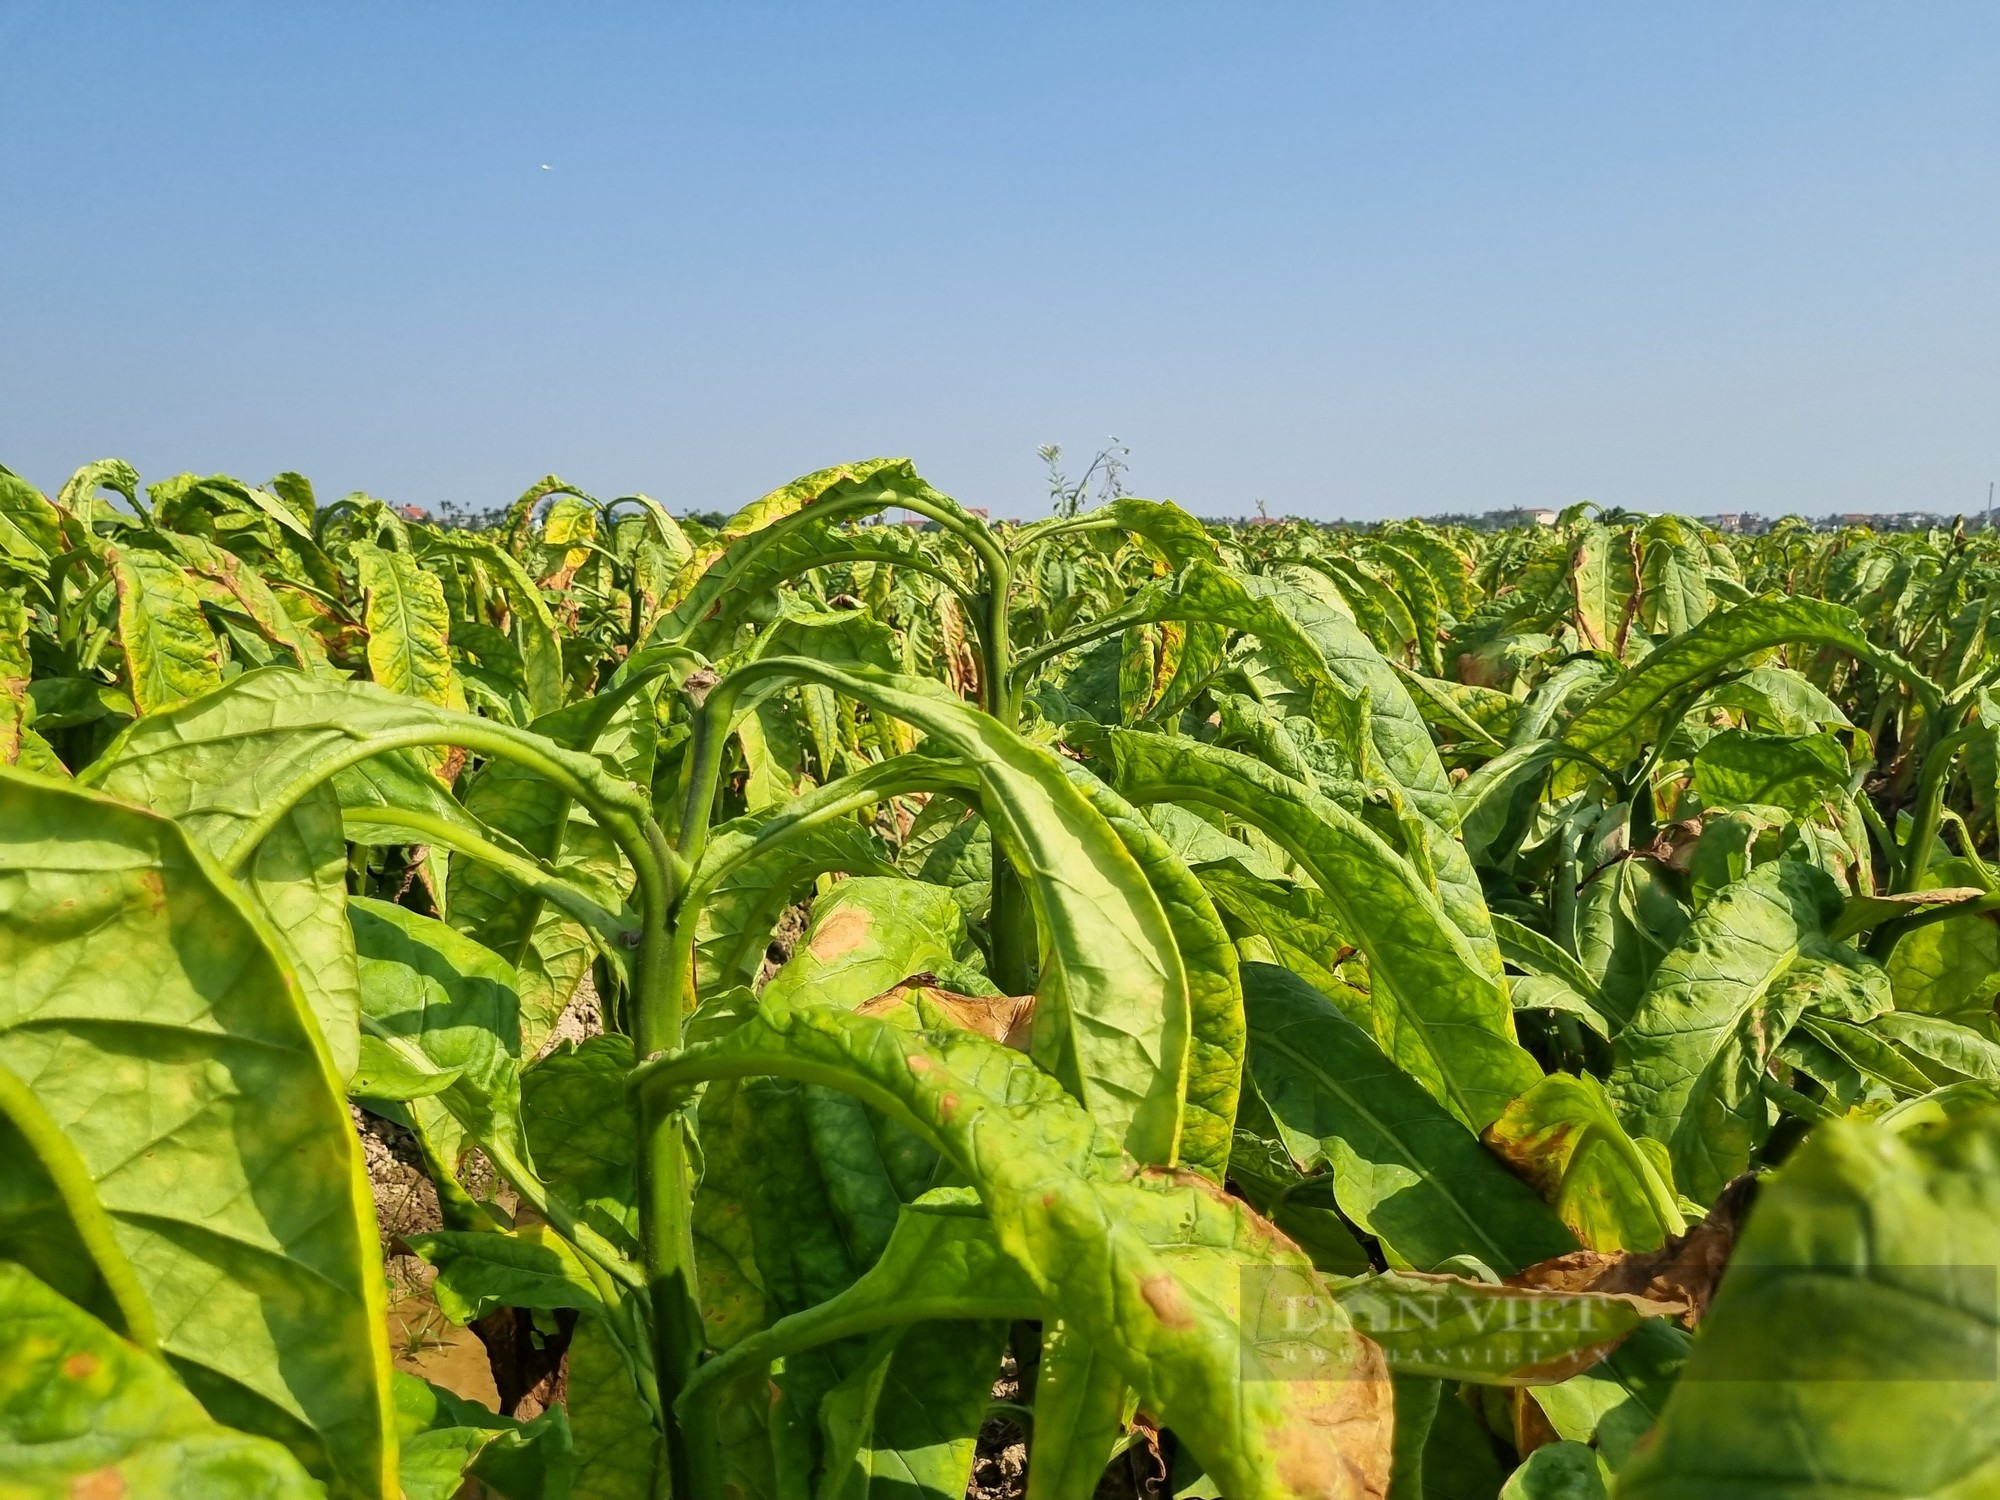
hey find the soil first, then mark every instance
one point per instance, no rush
(582, 1017)
(422, 1340)
(1000, 1467)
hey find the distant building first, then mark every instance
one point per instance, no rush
(1542, 517)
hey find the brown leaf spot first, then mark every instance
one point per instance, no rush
(1942, 895)
(1540, 1156)
(1679, 1278)
(80, 1365)
(1335, 1441)
(155, 889)
(841, 933)
(919, 1063)
(1163, 1294)
(1007, 1019)
(1532, 1427)
(103, 1484)
(948, 1108)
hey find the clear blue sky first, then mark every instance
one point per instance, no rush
(1350, 259)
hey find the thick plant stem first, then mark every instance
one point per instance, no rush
(666, 1198)
(1011, 926)
(1928, 815)
(1010, 922)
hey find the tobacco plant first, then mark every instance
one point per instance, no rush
(1311, 1013)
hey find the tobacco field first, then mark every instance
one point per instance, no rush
(1264, 1012)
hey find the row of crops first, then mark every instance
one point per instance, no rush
(1330, 1015)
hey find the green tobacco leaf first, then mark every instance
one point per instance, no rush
(1626, 715)
(1690, 1060)
(767, 1244)
(1850, 1347)
(1080, 1413)
(1616, 1402)
(1779, 700)
(246, 591)
(1532, 953)
(1404, 1169)
(479, 1270)
(1215, 992)
(1864, 912)
(1399, 739)
(1794, 771)
(1329, 655)
(617, 1444)
(867, 935)
(942, 1262)
(1627, 920)
(787, 532)
(150, 1017)
(428, 989)
(1949, 966)
(905, 1425)
(446, 1438)
(1452, 1328)
(1068, 1209)
(1604, 580)
(237, 763)
(386, 1073)
(170, 653)
(1113, 1016)
(1378, 608)
(1613, 1193)
(582, 1134)
(16, 668)
(297, 880)
(1559, 1471)
(861, 1192)
(1941, 1044)
(1462, 712)
(30, 527)
(1439, 1011)
(78, 497)
(1194, 838)
(1416, 1410)
(738, 915)
(1169, 532)
(84, 1414)
(52, 1223)
(206, 767)
(1460, 1458)
(1496, 800)
(1868, 1053)
(409, 625)
(534, 627)
(378, 798)
(1298, 922)
(1673, 577)
(550, 950)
